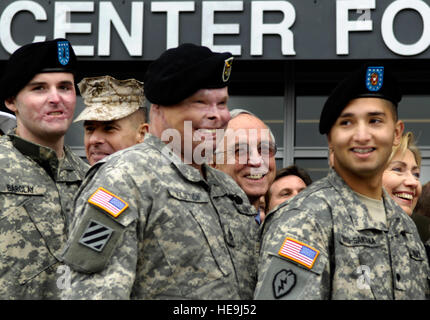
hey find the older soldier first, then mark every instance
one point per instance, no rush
(343, 237)
(152, 226)
(247, 154)
(39, 174)
(114, 117)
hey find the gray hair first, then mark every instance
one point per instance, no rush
(237, 111)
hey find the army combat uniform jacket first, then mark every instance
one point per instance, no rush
(170, 235)
(36, 204)
(324, 245)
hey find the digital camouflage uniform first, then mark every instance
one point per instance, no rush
(358, 258)
(427, 246)
(36, 206)
(180, 237)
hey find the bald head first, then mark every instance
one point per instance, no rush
(248, 155)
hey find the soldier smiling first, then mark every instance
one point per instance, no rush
(39, 174)
(343, 237)
(150, 225)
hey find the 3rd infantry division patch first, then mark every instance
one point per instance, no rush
(96, 235)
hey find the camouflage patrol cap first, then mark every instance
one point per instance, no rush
(33, 58)
(371, 80)
(179, 72)
(108, 99)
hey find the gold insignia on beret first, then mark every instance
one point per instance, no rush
(227, 69)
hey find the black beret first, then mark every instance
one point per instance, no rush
(371, 80)
(33, 58)
(179, 72)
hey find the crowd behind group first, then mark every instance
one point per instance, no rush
(166, 207)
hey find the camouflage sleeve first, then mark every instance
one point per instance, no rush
(294, 262)
(427, 247)
(102, 248)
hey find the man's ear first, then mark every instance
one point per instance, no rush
(329, 141)
(10, 104)
(141, 131)
(330, 151)
(398, 132)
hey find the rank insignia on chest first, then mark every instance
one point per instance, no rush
(299, 252)
(109, 202)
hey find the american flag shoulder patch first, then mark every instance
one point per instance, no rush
(109, 202)
(299, 252)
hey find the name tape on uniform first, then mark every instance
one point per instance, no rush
(299, 252)
(109, 202)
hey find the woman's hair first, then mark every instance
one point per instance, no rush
(407, 142)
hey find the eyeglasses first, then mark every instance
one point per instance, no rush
(245, 150)
(263, 149)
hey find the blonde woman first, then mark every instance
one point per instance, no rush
(401, 178)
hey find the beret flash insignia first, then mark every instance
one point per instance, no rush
(63, 52)
(374, 78)
(227, 69)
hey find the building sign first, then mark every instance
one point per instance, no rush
(294, 29)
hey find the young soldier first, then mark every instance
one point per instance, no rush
(39, 175)
(152, 226)
(343, 237)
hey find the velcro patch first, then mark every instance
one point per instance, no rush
(96, 235)
(109, 202)
(283, 282)
(299, 252)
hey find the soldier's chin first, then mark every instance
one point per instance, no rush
(97, 157)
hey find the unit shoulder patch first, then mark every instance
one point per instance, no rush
(299, 252)
(108, 202)
(96, 235)
(283, 282)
